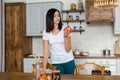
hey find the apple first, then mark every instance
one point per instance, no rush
(68, 29)
(45, 77)
(42, 77)
(49, 77)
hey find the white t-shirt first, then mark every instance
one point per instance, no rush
(58, 53)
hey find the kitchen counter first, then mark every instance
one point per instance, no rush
(112, 60)
(97, 56)
(92, 56)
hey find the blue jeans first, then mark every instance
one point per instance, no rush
(66, 68)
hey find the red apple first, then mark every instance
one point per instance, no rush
(45, 77)
(68, 29)
(49, 77)
(42, 77)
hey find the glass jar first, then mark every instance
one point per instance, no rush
(77, 17)
(80, 6)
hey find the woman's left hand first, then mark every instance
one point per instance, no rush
(66, 33)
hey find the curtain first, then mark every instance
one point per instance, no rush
(2, 52)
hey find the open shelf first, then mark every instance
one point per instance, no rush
(67, 11)
(81, 30)
(73, 20)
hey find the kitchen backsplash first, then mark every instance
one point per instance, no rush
(95, 38)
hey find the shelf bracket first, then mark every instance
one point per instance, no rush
(80, 22)
(67, 23)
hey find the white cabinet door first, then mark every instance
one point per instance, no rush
(47, 6)
(79, 62)
(118, 66)
(34, 19)
(117, 21)
(110, 64)
(36, 15)
(27, 64)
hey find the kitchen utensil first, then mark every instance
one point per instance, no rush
(107, 72)
(77, 52)
(84, 53)
(106, 52)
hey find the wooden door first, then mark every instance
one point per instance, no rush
(14, 25)
(16, 42)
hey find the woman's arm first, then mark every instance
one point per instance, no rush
(45, 55)
(67, 40)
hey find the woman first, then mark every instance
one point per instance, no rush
(57, 43)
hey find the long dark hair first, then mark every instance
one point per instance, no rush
(50, 21)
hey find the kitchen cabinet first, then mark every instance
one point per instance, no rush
(70, 19)
(34, 18)
(16, 42)
(27, 65)
(117, 21)
(79, 62)
(36, 15)
(118, 66)
(110, 64)
(98, 15)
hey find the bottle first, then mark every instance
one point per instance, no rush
(80, 27)
(37, 61)
(37, 70)
(56, 75)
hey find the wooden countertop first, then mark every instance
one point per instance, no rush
(28, 76)
(93, 56)
(97, 56)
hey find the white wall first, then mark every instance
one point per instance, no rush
(9, 1)
(2, 62)
(97, 36)
(0, 25)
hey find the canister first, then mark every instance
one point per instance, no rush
(117, 47)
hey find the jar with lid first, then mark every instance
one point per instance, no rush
(77, 17)
(80, 5)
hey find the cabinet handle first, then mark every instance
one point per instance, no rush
(41, 31)
(107, 66)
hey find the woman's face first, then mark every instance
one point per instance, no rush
(56, 18)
